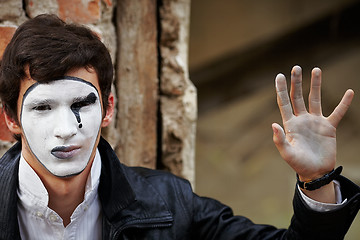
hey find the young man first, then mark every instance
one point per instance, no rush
(63, 181)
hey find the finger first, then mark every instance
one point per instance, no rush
(340, 110)
(280, 141)
(283, 97)
(296, 94)
(315, 92)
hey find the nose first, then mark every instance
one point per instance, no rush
(65, 124)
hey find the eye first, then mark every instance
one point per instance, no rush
(42, 108)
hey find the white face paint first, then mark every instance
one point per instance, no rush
(61, 121)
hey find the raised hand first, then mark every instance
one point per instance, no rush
(308, 141)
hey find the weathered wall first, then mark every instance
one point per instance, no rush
(137, 82)
(145, 74)
(11, 14)
(178, 103)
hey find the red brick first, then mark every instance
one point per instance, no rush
(79, 11)
(6, 32)
(5, 134)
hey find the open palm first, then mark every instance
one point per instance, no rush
(308, 141)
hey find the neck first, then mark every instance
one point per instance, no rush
(65, 194)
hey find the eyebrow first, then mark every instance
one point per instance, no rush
(90, 98)
(36, 102)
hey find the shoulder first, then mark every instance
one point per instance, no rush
(9, 168)
(9, 160)
(160, 179)
(175, 191)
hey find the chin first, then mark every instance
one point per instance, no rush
(67, 174)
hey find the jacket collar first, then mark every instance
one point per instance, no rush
(126, 196)
(115, 191)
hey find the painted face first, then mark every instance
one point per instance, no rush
(61, 121)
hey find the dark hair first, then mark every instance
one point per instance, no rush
(50, 48)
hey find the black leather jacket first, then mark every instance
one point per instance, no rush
(140, 203)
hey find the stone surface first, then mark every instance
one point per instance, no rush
(109, 3)
(178, 94)
(10, 9)
(36, 7)
(80, 11)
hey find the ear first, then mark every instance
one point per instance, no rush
(12, 124)
(109, 111)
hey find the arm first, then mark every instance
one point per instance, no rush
(308, 145)
(308, 141)
(213, 220)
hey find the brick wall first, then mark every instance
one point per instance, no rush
(6, 32)
(155, 118)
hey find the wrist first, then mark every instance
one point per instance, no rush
(323, 195)
(317, 183)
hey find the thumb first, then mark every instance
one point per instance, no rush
(278, 135)
(281, 142)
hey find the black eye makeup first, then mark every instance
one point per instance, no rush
(80, 103)
(84, 101)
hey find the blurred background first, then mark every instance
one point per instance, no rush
(236, 49)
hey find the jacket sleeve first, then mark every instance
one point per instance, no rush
(309, 224)
(213, 220)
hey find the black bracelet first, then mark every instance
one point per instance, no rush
(318, 183)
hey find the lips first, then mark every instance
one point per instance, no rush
(65, 152)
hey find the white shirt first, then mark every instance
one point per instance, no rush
(324, 207)
(38, 221)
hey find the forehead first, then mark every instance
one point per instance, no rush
(87, 74)
(61, 89)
